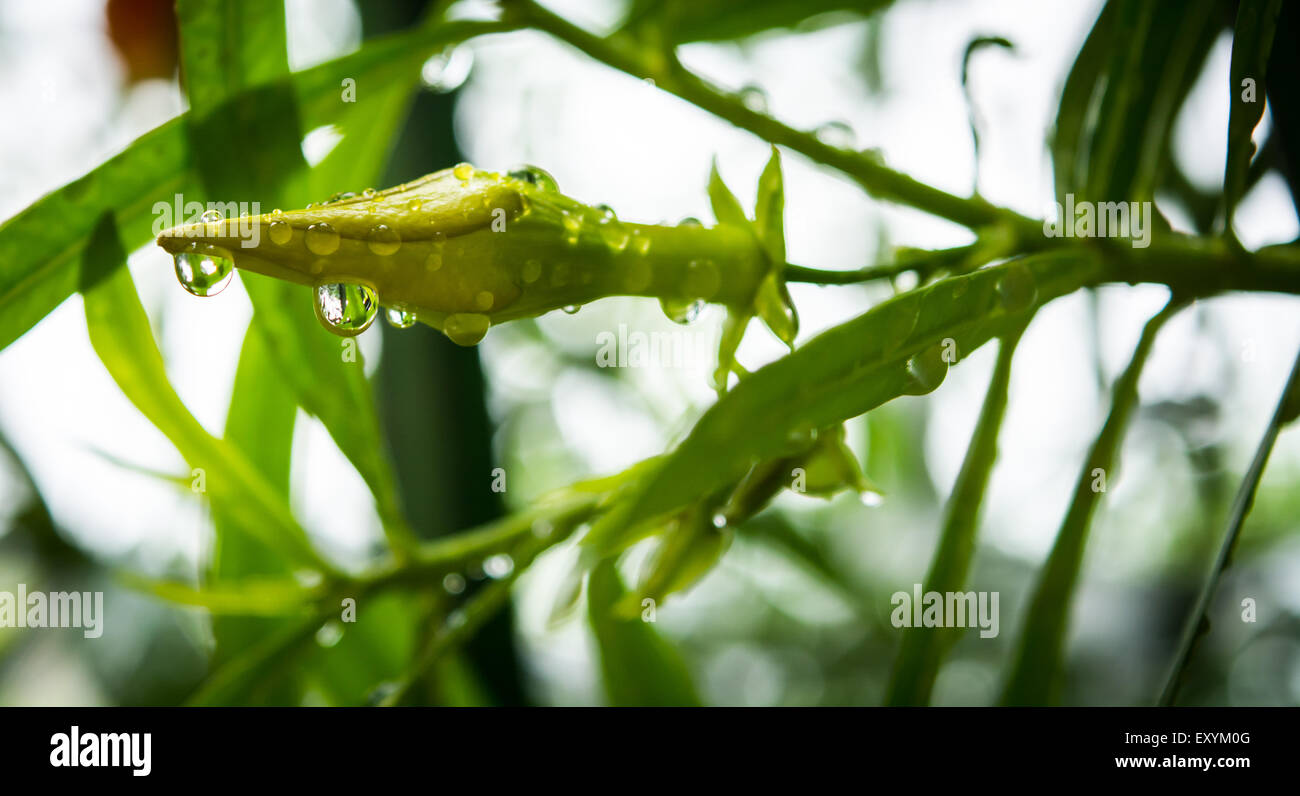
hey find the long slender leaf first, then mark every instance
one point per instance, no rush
(1252, 42)
(922, 651)
(1036, 668)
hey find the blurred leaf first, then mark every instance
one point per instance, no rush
(976, 44)
(1252, 42)
(639, 667)
(245, 597)
(120, 335)
(921, 653)
(1036, 668)
(1123, 92)
(891, 350)
(1288, 406)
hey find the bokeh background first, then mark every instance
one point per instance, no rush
(798, 610)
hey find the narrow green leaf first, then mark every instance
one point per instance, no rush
(1037, 665)
(922, 651)
(639, 666)
(1198, 619)
(726, 207)
(1252, 42)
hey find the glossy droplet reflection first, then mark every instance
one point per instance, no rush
(280, 232)
(1017, 289)
(399, 319)
(383, 240)
(926, 371)
(211, 217)
(836, 134)
(534, 176)
(321, 239)
(345, 308)
(204, 270)
(463, 171)
(681, 310)
(754, 99)
(447, 70)
(466, 328)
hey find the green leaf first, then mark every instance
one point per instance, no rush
(1036, 669)
(639, 666)
(121, 336)
(1198, 619)
(1252, 41)
(769, 209)
(228, 46)
(726, 207)
(840, 374)
(921, 653)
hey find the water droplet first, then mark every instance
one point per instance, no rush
(277, 212)
(638, 276)
(484, 300)
(339, 197)
(399, 319)
(572, 228)
(719, 520)
(446, 71)
(453, 583)
(754, 98)
(1016, 289)
(837, 134)
(211, 217)
(690, 221)
(204, 270)
(702, 279)
(463, 171)
(870, 499)
(321, 239)
(346, 308)
(607, 214)
(330, 633)
(368, 193)
(466, 328)
(926, 371)
(572, 309)
(615, 235)
(414, 205)
(640, 243)
(532, 175)
(681, 310)
(531, 272)
(384, 240)
(280, 232)
(498, 566)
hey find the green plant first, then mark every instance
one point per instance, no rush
(1111, 144)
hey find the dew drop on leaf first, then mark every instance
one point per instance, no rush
(1017, 289)
(204, 270)
(463, 171)
(281, 233)
(211, 217)
(754, 99)
(837, 134)
(926, 371)
(539, 178)
(466, 328)
(321, 239)
(346, 308)
(383, 240)
(399, 319)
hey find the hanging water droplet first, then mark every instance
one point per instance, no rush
(399, 319)
(531, 272)
(346, 308)
(535, 176)
(926, 371)
(466, 328)
(329, 634)
(870, 498)
(498, 566)
(1017, 289)
(690, 221)
(446, 71)
(280, 232)
(719, 520)
(463, 171)
(754, 98)
(702, 279)
(572, 309)
(453, 583)
(211, 217)
(204, 270)
(837, 134)
(321, 239)
(384, 240)
(681, 310)
(484, 300)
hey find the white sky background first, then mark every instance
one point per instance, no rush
(609, 138)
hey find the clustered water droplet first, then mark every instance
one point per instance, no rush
(204, 270)
(346, 308)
